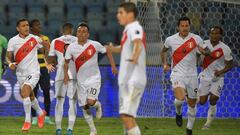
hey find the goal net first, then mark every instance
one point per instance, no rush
(159, 18)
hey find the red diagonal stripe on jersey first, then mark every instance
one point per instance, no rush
(84, 56)
(25, 49)
(124, 39)
(144, 40)
(216, 54)
(59, 45)
(183, 51)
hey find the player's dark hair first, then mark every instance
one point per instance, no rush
(33, 21)
(21, 20)
(184, 18)
(84, 25)
(67, 26)
(217, 27)
(130, 7)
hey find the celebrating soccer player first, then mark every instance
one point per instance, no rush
(22, 48)
(132, 73)
(84, 53)
(214, 66)
(57, 51)
(184, 46)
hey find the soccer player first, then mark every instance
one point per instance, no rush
(184, 46)
(132, 73)
(57, 51)
(44, 80)
(84, 53)
(22, 48)
(3, 45)
(214, 67)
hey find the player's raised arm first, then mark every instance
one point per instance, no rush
(111, 60)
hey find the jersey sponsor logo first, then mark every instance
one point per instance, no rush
(183, 51)
(25, 49)
(216, 54)
(86, 55)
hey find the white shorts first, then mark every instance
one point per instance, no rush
(87, 91)
(207, 87)
(31, 80)
(129, 99)
(189, 83)
(61, 89)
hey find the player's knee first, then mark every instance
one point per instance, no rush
(213, 102)
(202, 102)
(192, 103)
(181, 98)
(91, 102)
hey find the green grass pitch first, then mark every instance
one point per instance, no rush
(113, 126)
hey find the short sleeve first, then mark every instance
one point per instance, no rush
(200, 42)
(68, 54)
(100, 48)
(10, 45)
(228, 54)
(39, 41)
(51, 50)
(136, 33)
(166, 43)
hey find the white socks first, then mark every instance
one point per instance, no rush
(178, 106)
(89, 119)
(27, 109)
(211, 114)
(191, 117)
(71, 113)
(36, 107)
(134, 131)
(59, 112)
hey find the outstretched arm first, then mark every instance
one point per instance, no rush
(115, 49)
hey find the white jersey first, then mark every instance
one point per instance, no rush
(58, 48)
(184, 53)
(219, 53)
(85, 58)
(25, 54)
(130, 73)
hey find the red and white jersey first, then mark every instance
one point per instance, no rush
(85, 58)
(219, 54)
(184, 51)
(58, 48)
(128, 72)
(25, 54)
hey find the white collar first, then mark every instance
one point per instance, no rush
(131, 24)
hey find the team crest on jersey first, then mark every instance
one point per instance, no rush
(218, 54)
(31, 43)
(90, 51)
(190, 44)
